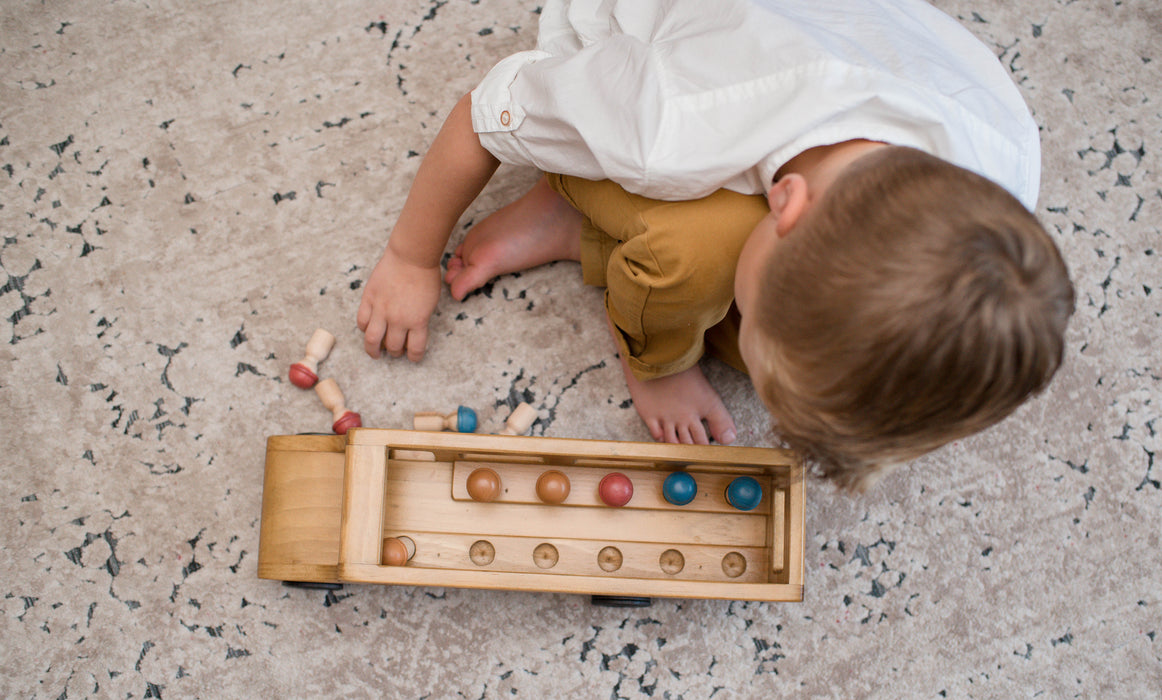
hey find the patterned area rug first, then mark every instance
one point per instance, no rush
(188, 190)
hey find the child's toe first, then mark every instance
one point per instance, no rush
(722, 426)
(656, 431)
(697, 434)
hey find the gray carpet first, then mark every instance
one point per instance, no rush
(187, 190)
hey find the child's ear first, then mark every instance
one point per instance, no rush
(788, 198)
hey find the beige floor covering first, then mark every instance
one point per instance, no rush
(188, 189)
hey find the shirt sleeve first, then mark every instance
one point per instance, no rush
(592, 114)
(676, 100)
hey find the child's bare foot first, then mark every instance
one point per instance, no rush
(674, 407)
(538, 228)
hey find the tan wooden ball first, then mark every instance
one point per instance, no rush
(553, 487)
(483, 485)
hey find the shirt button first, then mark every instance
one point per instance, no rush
(505, 118)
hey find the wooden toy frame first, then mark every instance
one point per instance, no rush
(329, 502)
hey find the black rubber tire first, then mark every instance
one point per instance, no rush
(314, 585)
(620, 601)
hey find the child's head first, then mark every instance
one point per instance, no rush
(913, 304)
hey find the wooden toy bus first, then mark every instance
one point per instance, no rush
(395, 507)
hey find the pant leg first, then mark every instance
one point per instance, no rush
(609, 220)
(668, 267)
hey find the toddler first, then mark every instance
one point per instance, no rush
(832, 197)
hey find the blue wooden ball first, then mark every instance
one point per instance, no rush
(679, 488)
(744, 493)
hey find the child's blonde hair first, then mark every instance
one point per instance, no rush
(914, 304)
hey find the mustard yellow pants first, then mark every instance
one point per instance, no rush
(667, 268)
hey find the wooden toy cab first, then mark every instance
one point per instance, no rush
(335, 508)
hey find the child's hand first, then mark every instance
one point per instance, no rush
(404, 287)
(398, 301)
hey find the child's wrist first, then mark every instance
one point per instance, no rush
(417, 259)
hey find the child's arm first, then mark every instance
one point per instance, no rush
(403, 289)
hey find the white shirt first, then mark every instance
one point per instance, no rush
(674, 99)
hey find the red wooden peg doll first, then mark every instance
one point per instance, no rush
(303, 373)
(332, 398)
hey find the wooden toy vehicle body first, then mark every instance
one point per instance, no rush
(331, 502)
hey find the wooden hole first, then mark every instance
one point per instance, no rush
(545, 555)
(733, 565)
(482, 552)
(609, 559)
(672, 561)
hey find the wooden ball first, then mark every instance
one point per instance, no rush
(553, 487)
(395, 552)
(679, 488)
(744, 493)
(615, 489)
(484, 485)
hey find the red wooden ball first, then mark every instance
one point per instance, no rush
(483, 485)
(615, 489)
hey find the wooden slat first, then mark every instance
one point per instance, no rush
(519, 481)
(419, 499)
(794, 526)
(605, 585)
(450, 446)
(361, 530)
(579, 557)
(306, 443)
(777, 538)
(301, 498)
